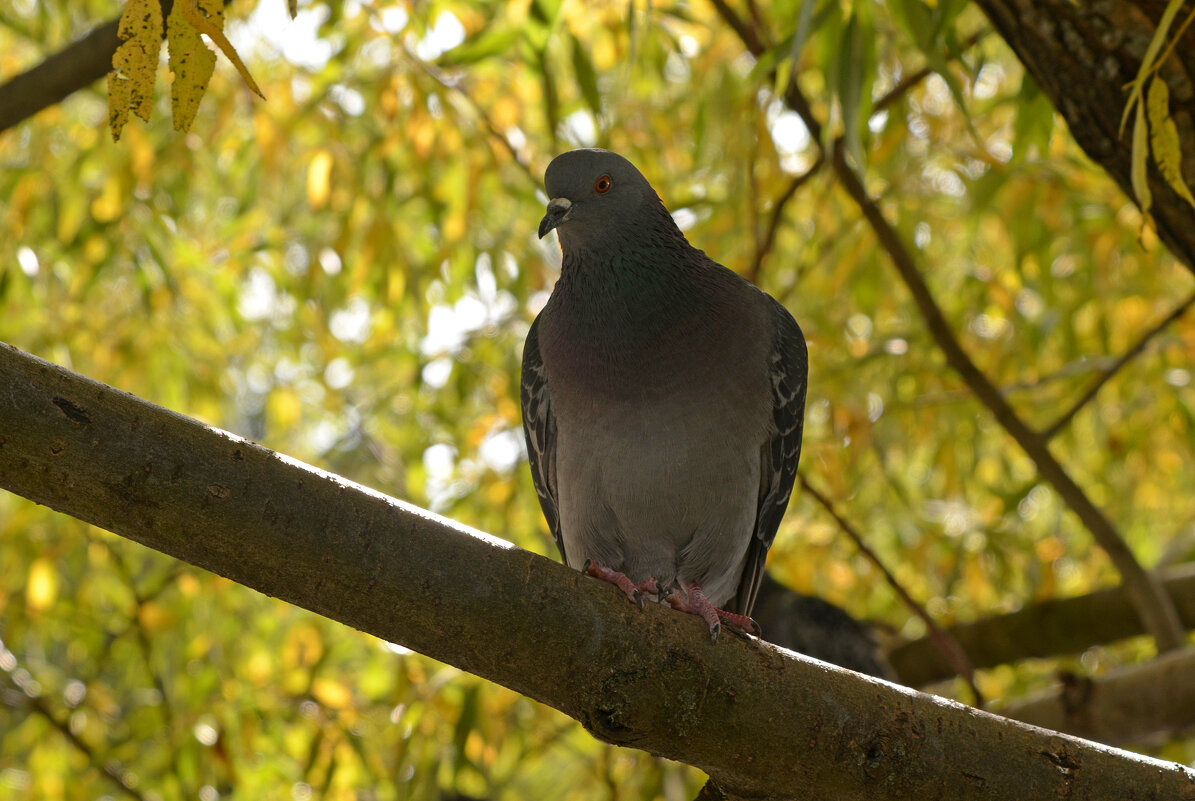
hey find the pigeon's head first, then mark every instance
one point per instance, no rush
(595, 195)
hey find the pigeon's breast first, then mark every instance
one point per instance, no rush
(658, 441)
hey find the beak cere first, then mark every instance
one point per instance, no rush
(558, 211)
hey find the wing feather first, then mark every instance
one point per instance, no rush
(789, 373)
(539, 428)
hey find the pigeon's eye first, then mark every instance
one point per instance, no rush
(603, 184)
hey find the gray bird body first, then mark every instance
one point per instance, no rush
(662, 395)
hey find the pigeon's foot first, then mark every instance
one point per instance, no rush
(634, 590)
(694, 602)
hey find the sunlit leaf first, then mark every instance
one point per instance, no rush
(42, 588)
(134, 64)
(190, 60)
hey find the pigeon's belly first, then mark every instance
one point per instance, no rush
(661, 485)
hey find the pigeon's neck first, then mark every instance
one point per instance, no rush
(617, 293)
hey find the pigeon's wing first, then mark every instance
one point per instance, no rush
(788, 369)
(539, 427)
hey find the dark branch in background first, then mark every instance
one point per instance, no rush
(761, 721)
(1151, 602)
(82, 63)
(1152, 701)
(1148, 597)
(1105, 376)
(110, 768)
(956, 657)
(1050, 628)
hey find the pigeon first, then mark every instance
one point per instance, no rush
(663, 400)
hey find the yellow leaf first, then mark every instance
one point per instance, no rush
(319, 173)
(42, 589)
(216, 34)
(293, 7)
(155, 617)
(1163, 139)
(1139, 173)
(191, 62)
(131, 81)
(331, 693)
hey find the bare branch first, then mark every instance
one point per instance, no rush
(946, 643)
(1130, 704)
(764, 246)
(1044, 629)
(1143, 588)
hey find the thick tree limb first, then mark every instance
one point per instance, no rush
(761, 721)
(1049, 628)
(1082, 55)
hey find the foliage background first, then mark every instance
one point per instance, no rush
(346, 272)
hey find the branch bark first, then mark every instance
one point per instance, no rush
(1049, 628)
(761, 721)
(1082, 55)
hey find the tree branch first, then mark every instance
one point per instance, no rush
(761, 721)
(764, 246)
(1143, 588)
(1130, 704)
(1045, 629)
(53, 80)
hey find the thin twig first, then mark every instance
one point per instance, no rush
(109, 768)
(474, 106)
(746, 32)
(945, 641)
(1105, 376)
(905, 84)
(764, 246)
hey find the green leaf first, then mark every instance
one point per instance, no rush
(916, 19)
(487, 44)
(1140, 165)
(586, 76)
(855, 75)
(1148, 61)
(1034, 123)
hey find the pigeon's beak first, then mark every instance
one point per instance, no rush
(559, 209)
